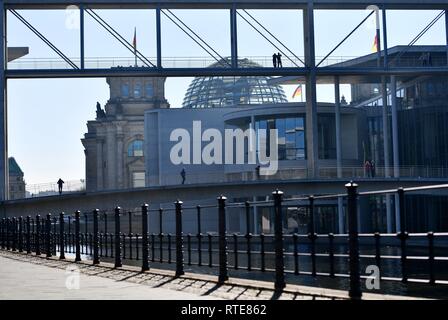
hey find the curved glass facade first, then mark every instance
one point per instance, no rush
(218, 92)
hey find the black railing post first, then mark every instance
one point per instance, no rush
(118, 263)
(28, 234)
(37, 239)
(199, 235)
(48, 236)
(3, 224)
(77, 237)
(161, 235)
(20, 234)
(8, 230)
(248, 237)
(403, 235)
(61, 236)
(352, 212)
(145, 247)
(14, 234)
(55, 236)
(312, 235)
(279, 241)
(179, 240)
(223, 275)
(96, 239)
(432, 277)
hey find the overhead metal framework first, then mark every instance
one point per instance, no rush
(308, 68)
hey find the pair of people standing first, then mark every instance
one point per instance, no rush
(277, 60)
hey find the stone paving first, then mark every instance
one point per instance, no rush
(36, 277)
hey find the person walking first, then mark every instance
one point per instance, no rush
(279, 60)
(274, 60)
(60, 183)
(372, 169)
(257, 172)
(183, 175)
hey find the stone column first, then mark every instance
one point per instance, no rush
(120, 181)
(99, 164)
(111, 157)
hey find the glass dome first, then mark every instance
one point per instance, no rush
(218, 92)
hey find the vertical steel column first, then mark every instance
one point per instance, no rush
(395, 152)
(386, 50)
(233, 37)
(77, 239)
(352, 208)
(279, 241)
(145, 247)
(159, 38)
(3, 233)
(223, 275)
(337, 98)
(446, 34)
(61, 237)
(311, 97)
(385, 127)
(179, 240)
(4, 173)
(96, 239)
(81, 34)
(117, 238)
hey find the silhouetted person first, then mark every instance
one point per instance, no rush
(257, 172)
(60, 183)
(372, 169)
(183, 174)
(279, 60)
(368, 168)
(274, 60)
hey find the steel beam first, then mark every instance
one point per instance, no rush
(395, 150)
(446, 34)
(311, 133)
(81, 34)
(227, 4)
(385, 127)
(4, 170)
(337, 100)
(233, 37)
(159, 38)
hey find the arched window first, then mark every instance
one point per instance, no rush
(137, 90)
(135, 148)
(149, 90)
(125, 90)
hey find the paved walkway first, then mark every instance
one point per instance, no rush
(42, 282)
(25, 276)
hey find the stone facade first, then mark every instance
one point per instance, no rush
(114, 140)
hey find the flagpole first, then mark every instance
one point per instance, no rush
(135, 45)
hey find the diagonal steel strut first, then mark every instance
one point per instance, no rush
(273, 36)
(119, 37)
(204, 43)
(43, 38)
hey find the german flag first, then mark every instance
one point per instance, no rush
(297, 92)
(375, 44)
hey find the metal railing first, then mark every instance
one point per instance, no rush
(275, 252)
(167, 62)
(48, 189)
(203, 62)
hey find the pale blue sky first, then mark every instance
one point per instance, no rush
(47, 118)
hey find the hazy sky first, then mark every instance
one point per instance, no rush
(47, 118)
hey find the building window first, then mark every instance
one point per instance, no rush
(135, 148)
(138, 179)
(149, 90)
(125, 90)
(137, 90)
(291, 136)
